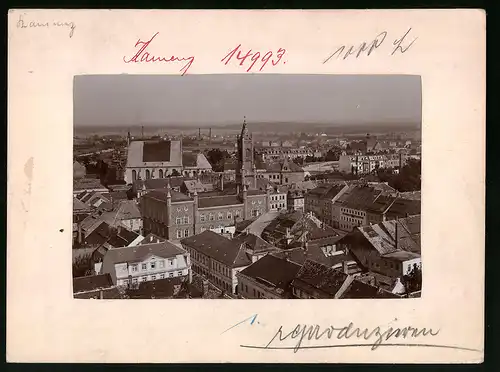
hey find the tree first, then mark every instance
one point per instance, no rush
(413, 279)
(82, 266)
(216, 158)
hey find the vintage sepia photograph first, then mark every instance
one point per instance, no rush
(269, 186)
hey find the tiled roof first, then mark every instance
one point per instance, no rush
(273, 272)
(218, 201)
(358, 197)
(286, 166)
(229, 252)
(382, 236)
(319, 277)
(358, 290)
(122, 238)
(255, 243)
(92, 283)
(126, 210)
(156, 151)
(107, 294)
(162, 288)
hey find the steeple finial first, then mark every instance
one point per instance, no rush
(244, 129)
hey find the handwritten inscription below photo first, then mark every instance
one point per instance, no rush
(247, 186)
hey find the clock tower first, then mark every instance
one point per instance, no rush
(245, 169)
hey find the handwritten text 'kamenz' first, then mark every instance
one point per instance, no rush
(142, 55)
(21, 23)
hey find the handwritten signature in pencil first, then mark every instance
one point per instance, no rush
(399, 45)
(314, 336)
(35, 24)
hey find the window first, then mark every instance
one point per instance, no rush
(237, 213)
(162, 276)
(179, 273)
(211, 217)
(134, 175)
(219, 216)
(170, 275)
(170, 262)
(202, 229)
(202, 217)
(160, 173)
(144, 278)
(229, 215)
(179, 234)
(178, 220)
(144, 266)
(186, 219)
(135, 280)
(153, 277)
(134, 268)
(153, 265)
(186, 233)
(162, 263)
(148, 174)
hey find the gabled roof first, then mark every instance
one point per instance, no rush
(152, 238)
(254, 243)
(138, 253)
(273, 272)
(382, 236)
(195, 160)
(79, 206)
(229, 252)
(92, 283)
(358, 289)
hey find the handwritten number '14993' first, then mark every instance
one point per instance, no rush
(253, 58)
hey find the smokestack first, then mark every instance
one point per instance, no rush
(199, 133)
(396, 234)
(344, 267)
(209, 135)
(142, 131)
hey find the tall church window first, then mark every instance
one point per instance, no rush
(160, 173)
(148, 174)
(134, 175)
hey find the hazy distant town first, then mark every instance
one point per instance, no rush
(247, 210)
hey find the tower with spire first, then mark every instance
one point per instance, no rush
(245, 168)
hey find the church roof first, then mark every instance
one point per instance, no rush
(154, 153)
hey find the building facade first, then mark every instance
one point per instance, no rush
(174, 215)
(364, 164)
(162, 159)
(145, 262)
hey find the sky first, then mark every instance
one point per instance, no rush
(130, 100)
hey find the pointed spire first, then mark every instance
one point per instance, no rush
(244, 129)
(168, 189)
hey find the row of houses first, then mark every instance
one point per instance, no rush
(346, 206)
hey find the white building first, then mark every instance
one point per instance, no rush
(145, 262)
